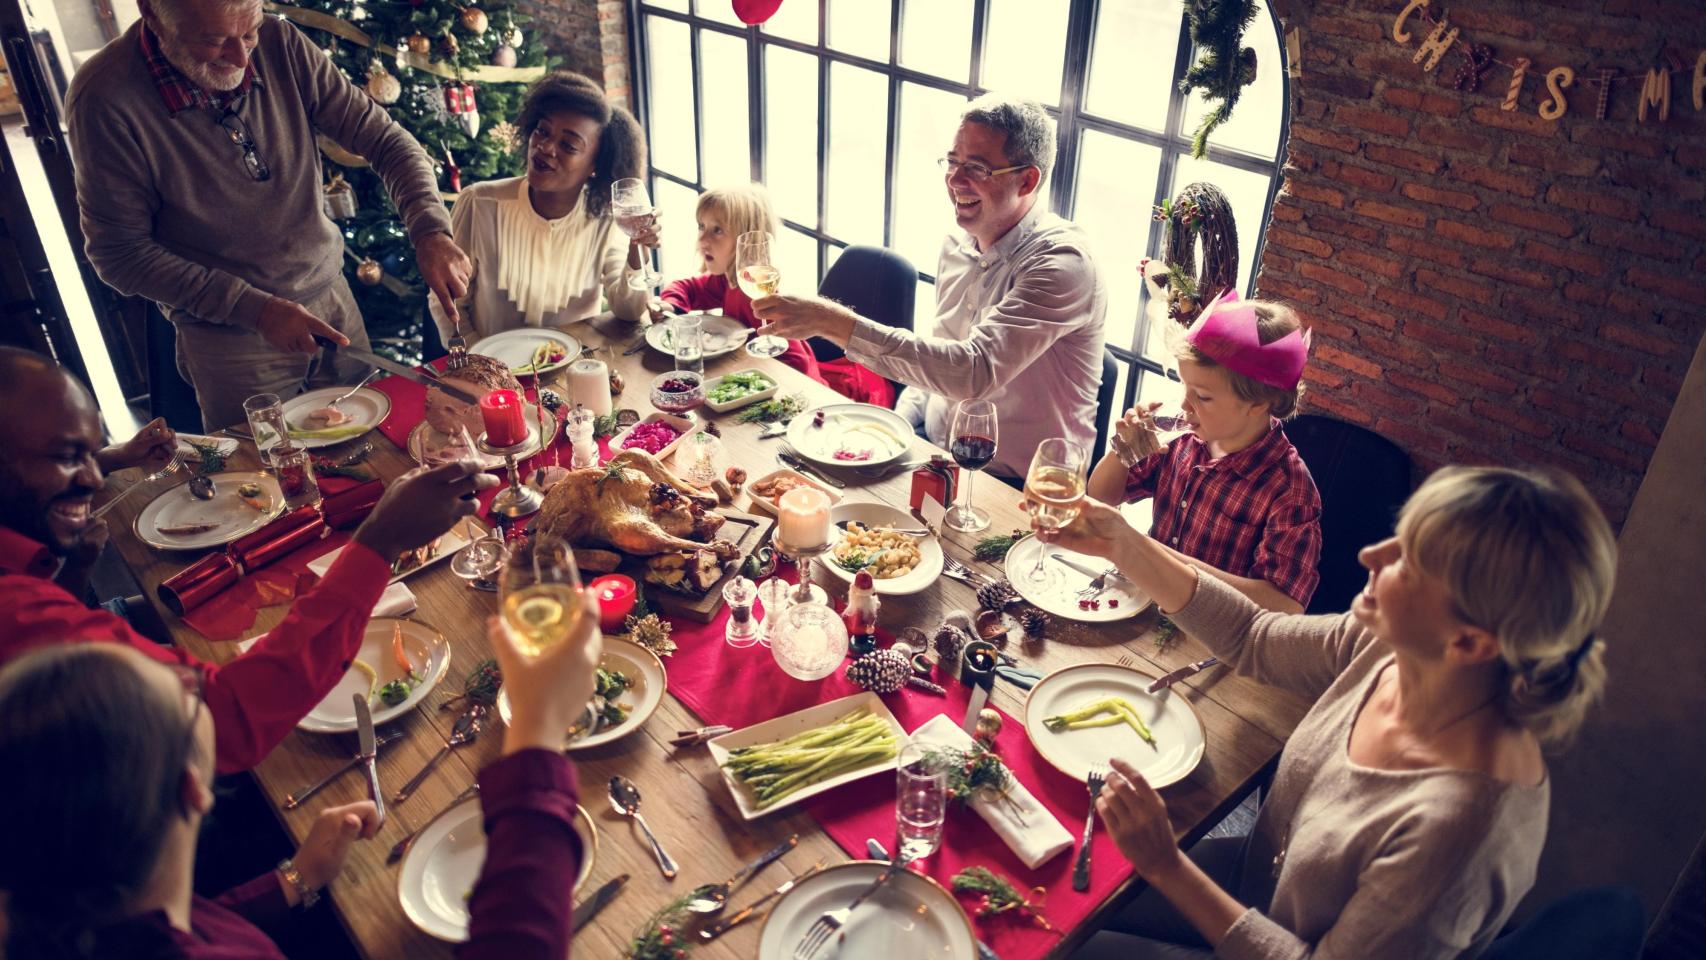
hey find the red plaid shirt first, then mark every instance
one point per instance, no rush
(177, 90)
(1254, 513)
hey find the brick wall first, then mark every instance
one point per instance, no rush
(1487, 286)
(591, 36)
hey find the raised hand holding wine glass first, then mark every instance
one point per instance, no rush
(540, 588)
(632, 207)
(758, 277)
(1054, 490)
(971, 439)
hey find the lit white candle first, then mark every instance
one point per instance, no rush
(589, 385)
(803, 518)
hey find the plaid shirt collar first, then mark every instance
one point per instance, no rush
(1249, 461)
(177, 90)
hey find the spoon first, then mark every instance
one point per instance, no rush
(625, 800)
(465, 730)
(201, 487)
(712, 897)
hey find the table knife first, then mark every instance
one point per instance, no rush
(798, 463)
(1188, 670)
(1102, 575)
(392, 366)
(369, 754)
(588, 908)
(296, 799)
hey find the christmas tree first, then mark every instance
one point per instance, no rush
(454, 76)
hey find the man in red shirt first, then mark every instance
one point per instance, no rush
(52, 462)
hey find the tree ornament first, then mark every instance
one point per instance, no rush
(340, 198)
(459, 102)
(1035, 623)
(650, 632)
(453, 173)
(1477, 57)
(369, 272)
(989, 724)
(418, 43)
(881, 672)
(381, 85)
(504, 56)
(514, 37)
(474, 20)
(1514, 91)
(449, 44)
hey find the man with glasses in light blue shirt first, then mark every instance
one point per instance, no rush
(1019, 302)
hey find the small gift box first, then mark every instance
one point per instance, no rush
(349, 507)
(198, 583)
(939, 479)
(300, 526)
(340, 198)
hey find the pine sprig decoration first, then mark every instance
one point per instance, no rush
(971, 772)
(1224, 65)
(480, 685)
(770, 411)
(991, 549)
(212, 460)
(997, 896)
(661, 936)
(1166, 634)
(604, 426)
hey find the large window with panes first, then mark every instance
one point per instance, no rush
(842, 107)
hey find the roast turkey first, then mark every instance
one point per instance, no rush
(634, 504)
(480, 376)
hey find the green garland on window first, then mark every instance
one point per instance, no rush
(1224, 66)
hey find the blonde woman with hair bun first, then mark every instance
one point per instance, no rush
(1409, 808)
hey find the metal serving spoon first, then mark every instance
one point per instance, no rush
(625, 800)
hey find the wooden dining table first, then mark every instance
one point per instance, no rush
(686, 800)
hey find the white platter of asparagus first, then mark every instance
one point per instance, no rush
(773, 765)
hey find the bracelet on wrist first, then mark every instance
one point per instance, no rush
(306, 896)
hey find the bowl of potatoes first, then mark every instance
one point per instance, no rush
(866, 536)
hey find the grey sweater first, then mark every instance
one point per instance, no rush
(1376, 863)
(171, 214)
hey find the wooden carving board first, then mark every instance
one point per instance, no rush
(747, 531)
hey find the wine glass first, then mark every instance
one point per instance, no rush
(480, 560)
(758, 277)
(634, 213)
(972, 442)
(1054, 491)
(541, 594)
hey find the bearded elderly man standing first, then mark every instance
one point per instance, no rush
(198, 177)
(1019, 302)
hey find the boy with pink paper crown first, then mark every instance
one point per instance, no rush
(1231, 496)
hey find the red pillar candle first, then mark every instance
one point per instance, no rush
(505, 418)
(616, 596)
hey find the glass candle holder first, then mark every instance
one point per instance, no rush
(702, 449)
(811, 643)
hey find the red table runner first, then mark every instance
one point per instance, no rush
(717, 681)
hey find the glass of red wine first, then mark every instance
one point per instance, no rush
(972, 442)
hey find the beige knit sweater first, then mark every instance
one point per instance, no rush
(171, 214)
(1371, 863)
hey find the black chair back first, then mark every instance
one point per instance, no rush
(1363, 479)
(1106, 411)
(1599, 923)
(169, 394)
(878, 284)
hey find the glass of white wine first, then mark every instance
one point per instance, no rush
(758, 277)
(1054, 491)
(541, 594)
(632, 207)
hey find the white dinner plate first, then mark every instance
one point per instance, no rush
(911, 916)
(235, 518)
(514, 349)
(787, 725)
(429, 447)
(1171, 719)
(650, 680)
(428, 651)
(719, 336)
(442, 865)
(852, 435)
(1057, 593)
(871, 515)
(447, 545)
(368, 407)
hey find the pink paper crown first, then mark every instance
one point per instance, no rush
(1226, 333)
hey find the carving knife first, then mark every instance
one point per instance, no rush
(392, 366)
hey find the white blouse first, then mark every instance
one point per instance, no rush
(530, 271)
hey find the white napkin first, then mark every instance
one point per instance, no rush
(1019, 819)
(397, 601)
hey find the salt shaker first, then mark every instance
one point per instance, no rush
(583, 448)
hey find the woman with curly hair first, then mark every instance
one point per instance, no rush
(544, 244)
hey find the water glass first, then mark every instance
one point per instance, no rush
(921, 803)
(687, 335)
(266, 423)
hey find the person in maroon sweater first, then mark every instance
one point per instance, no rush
(120, 752)
(52, 463)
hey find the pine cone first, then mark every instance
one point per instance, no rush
(1035, 623)
(881, 672)
(997, 595)
(949, 641)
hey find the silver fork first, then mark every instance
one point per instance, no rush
(458, 348)
(830, 921)
(352, 390)
(959, 571)
(1081, 868)
(170, 467)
